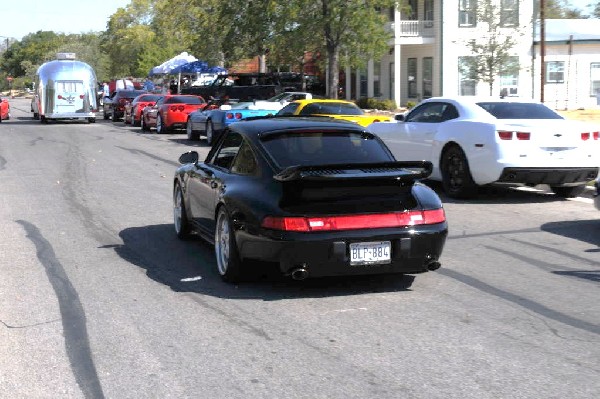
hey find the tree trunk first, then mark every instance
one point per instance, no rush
(333, 72)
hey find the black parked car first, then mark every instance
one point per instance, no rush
(318, 197)
(114, 106)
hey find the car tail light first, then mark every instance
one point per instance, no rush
(354, 222)
(238, 115)
(504, 135)
(508, 135)
(60, 97)
(181, 108)
(81, 96)
(173, 107)
(585, 136)
(229, 115)
(596, 135)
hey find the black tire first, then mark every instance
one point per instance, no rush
(180, 220)
(36, 116)
(191, 134)
(229, 264)
(43, 119)
(160, 127)
(210, 132)
(456, 175)
(92, 120)
(105, 115)
(134, 123)
(143, 125)
(568, 192)
(113, 116)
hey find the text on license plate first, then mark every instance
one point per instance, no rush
(365, 253)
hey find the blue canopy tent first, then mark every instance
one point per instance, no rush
(195, 67)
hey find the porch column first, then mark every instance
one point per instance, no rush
(348, 83)
(397, 69)
(370, 85)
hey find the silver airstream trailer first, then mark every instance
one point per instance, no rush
(65, 89)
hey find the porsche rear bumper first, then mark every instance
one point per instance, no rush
(414, 250)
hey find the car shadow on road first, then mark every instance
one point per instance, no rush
(498, 194)
(185, 141)
(189, 266)
(582, 230)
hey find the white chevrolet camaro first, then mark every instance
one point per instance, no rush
(477, 141)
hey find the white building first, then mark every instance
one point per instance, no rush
(429, 43)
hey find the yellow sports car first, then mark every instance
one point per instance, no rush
(338, 109)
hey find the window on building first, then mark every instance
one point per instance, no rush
(391, 80)
(411, 70)
(595, 78)
(509, 78)
(412, 13)
(509, 13)
(467, 13)
(427, 77)
(428, 13)
(555, 72)
(377, 79)
(363, 82)
(467, 83)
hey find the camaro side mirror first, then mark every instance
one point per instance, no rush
(188, 157)
(399, 117)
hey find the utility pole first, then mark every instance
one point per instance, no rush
(542, 49)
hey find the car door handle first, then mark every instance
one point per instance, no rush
(214, 184)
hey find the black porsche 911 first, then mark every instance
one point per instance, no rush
(315, 196)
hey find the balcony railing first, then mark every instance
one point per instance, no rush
(414, 28)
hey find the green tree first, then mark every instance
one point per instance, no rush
(128, 34)
(351, 32)
(596, 11)
(559, 9)
(36, 48)
(492, 53)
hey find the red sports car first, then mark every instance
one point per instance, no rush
(170, 112)
(133, 110)
(4, 109)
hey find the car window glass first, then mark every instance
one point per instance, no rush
(227, 151)
(431, 112)
(245, 162)
(289, 109)
(513, 110)
(319, 148)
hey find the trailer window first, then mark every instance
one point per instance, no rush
(69, 86)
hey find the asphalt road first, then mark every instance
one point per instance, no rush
(98, 298)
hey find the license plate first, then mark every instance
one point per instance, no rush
(370, 253)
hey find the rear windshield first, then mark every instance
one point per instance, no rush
(322, 148)
(130, 93)
(331, 109)
(511, 110)
(184, 100)
(150, 97)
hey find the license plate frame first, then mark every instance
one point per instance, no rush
(370, 253)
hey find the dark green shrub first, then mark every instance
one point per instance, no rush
(374, 103)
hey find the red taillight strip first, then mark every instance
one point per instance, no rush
(354, 222)
(596, 135)
(585, 136)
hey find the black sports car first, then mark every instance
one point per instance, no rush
(316, 196)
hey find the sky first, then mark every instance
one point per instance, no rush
(18, 18)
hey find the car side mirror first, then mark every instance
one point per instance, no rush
(188, 157)
(399, 117)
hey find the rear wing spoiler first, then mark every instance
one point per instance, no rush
(401, 170)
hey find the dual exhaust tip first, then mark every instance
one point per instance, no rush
(301, 272)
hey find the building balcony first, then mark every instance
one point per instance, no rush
(412, 29)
